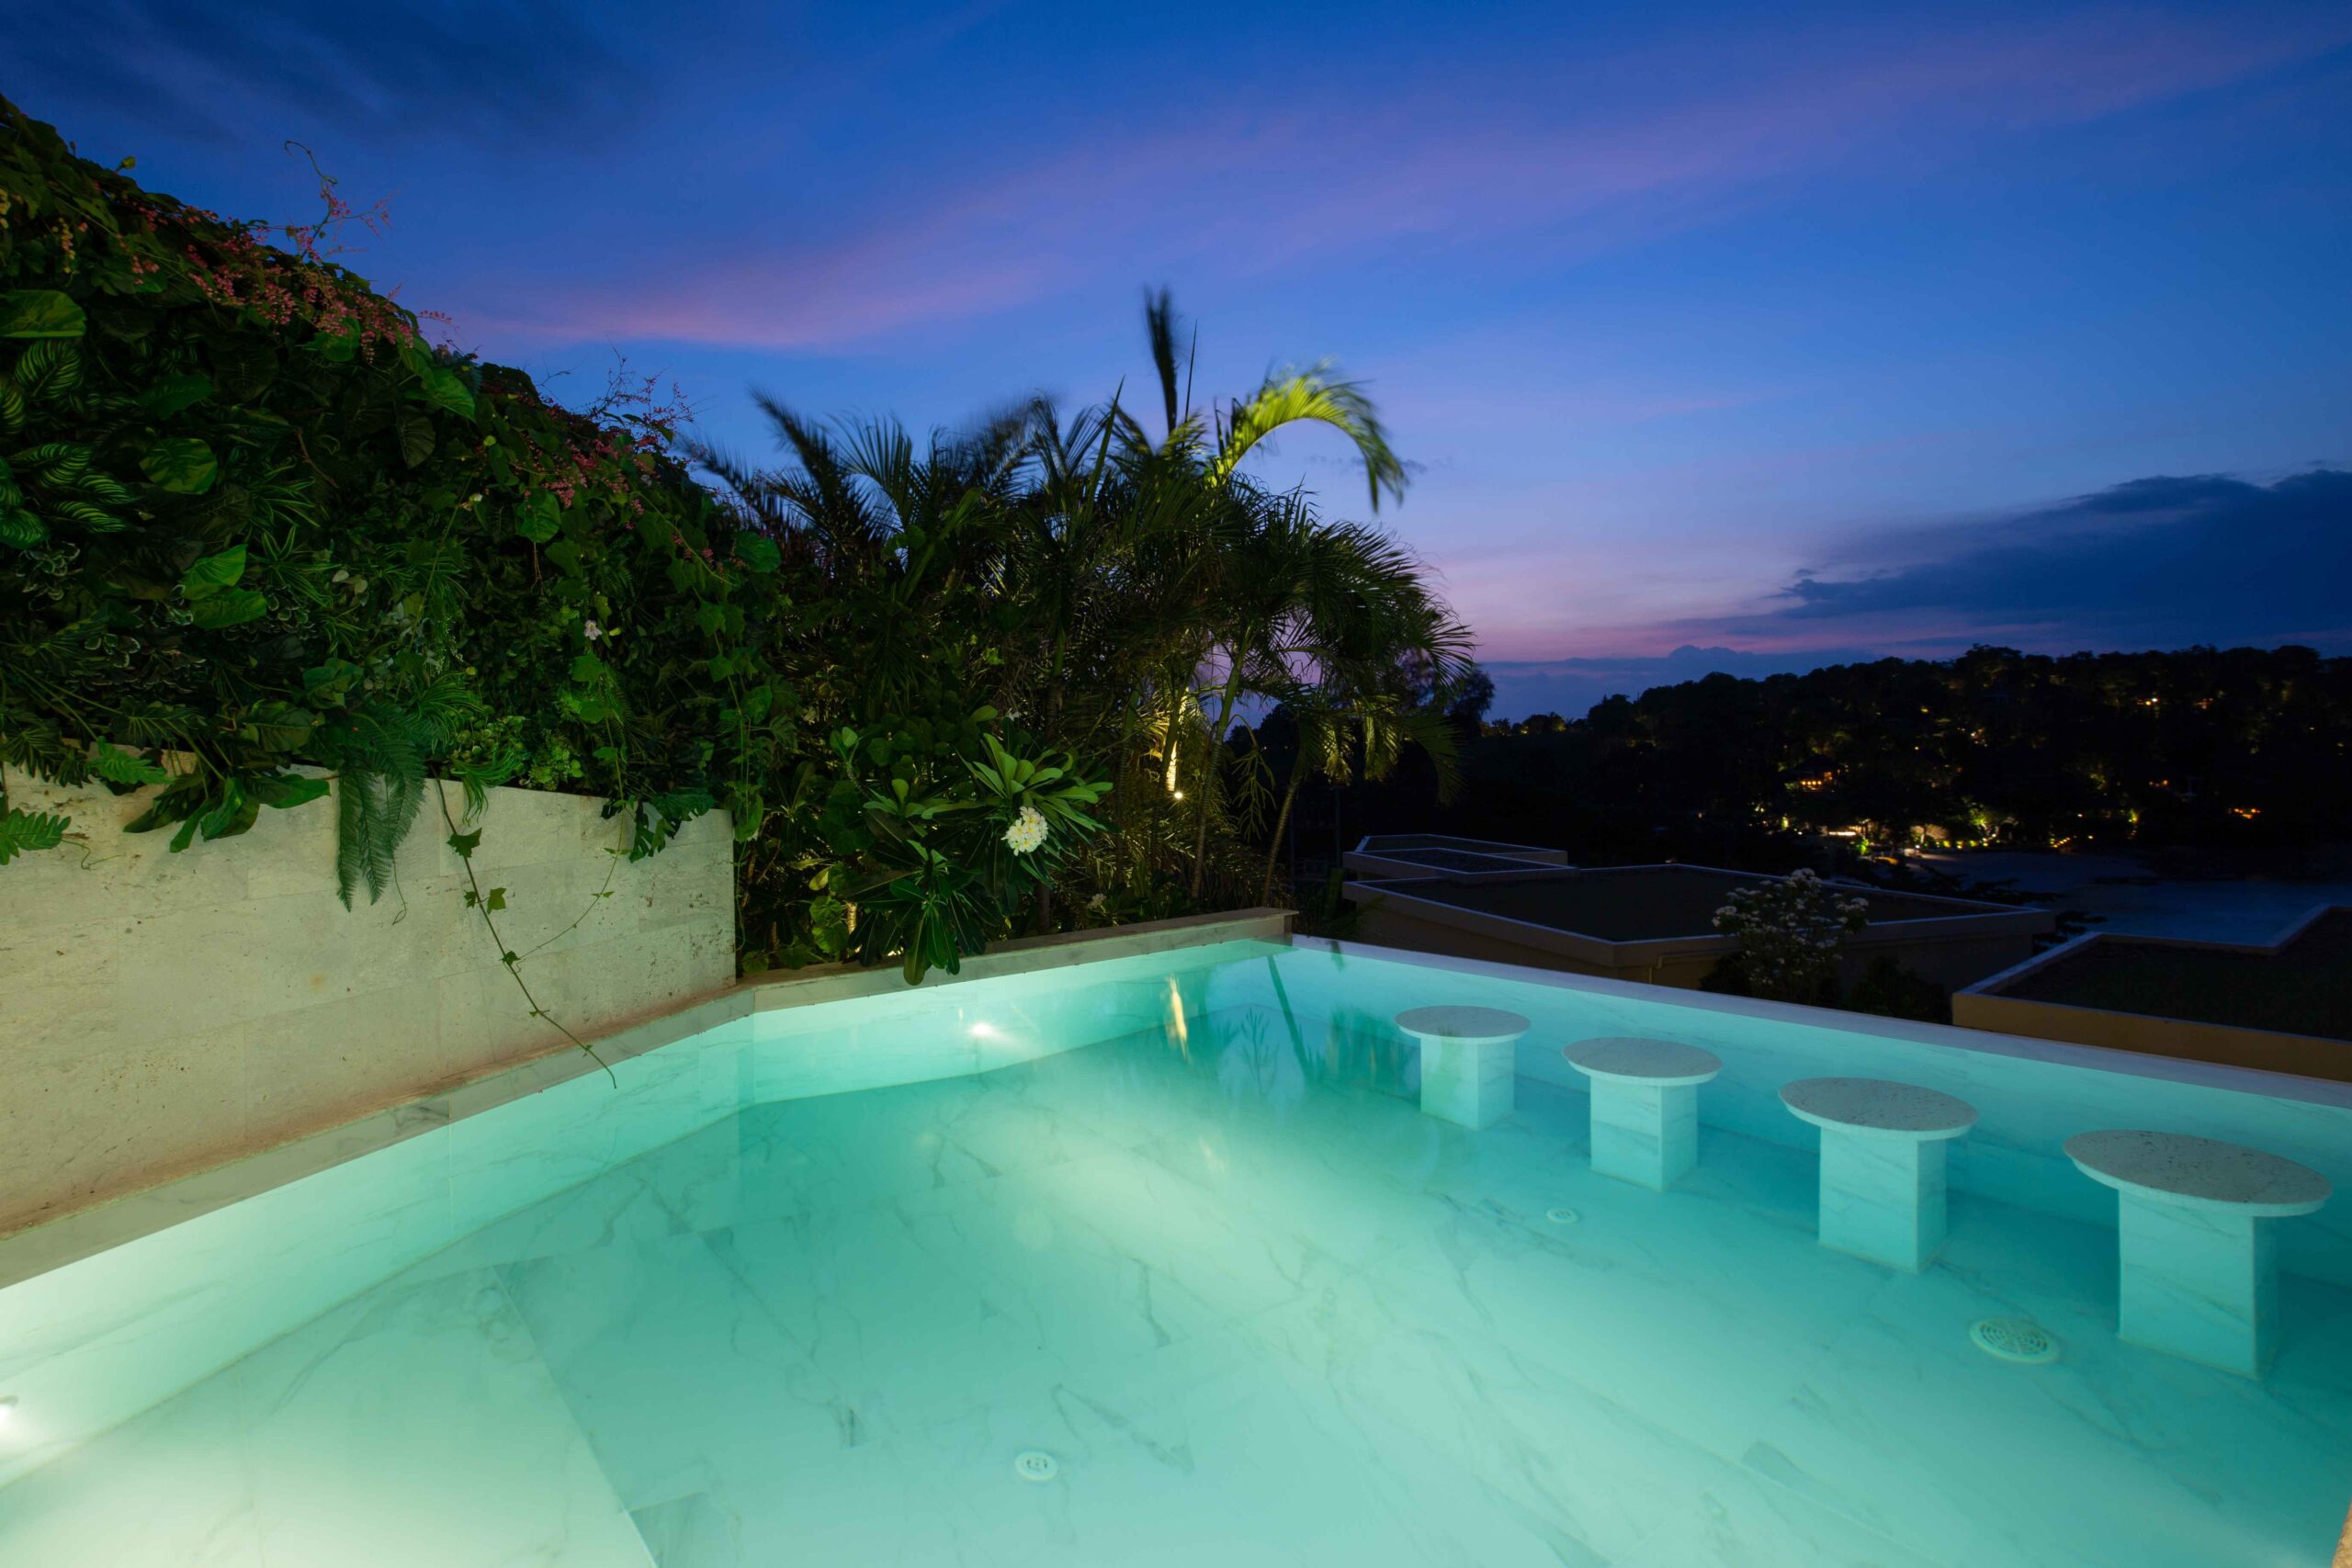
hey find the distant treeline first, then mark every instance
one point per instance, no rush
(2248, 746)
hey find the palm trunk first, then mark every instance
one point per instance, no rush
(1053, 729)
(1274, 844)
(1211, 774)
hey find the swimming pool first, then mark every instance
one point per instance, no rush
(813, 1287)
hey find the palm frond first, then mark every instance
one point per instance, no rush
(1315, 396)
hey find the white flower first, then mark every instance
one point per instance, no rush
(591, 631)
(1028, 830)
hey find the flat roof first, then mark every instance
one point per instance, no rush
(2303, 986)
(1646, 903)
(1398, 845)
(1456, 860)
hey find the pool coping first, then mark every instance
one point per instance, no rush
(1973, 918)
(66, 1238)
(2100, 1058)
(60, 1239)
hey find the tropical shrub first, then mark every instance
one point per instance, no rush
(929, 862)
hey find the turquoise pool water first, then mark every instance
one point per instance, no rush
(1257, 1307)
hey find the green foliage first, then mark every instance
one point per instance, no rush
(117, 766)
(260, 541)
(181, 464)
(924, 853)
(248, 516)
(40, 312)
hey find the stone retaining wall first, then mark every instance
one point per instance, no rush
(164, 1013)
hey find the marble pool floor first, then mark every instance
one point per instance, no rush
(1260, 1310)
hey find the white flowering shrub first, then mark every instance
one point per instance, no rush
(937, 855)
(1025, 832)
(1790, 929)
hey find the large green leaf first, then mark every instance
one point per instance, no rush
(48, 368)
(444, 387)
(278, 726)
(759, 552)
(40, 312)
(233, 815)
(539, 518)
(231, 607)
(181, 464)
(326, 685)
(181, 798)
(119, 766)
(20, 529)
(167, 395)
(213, 573)
(280, 791)
(414, 428)
(95, 518)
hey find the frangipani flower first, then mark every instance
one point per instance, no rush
(1027, 831)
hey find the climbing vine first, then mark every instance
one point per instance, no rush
(251, 521)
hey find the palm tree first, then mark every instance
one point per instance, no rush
(1122, 594)
(1386, 655)
(1316, 395)
(895, 534)
(1365, 738)
(1283, 580)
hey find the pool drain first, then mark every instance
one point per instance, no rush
(1037, 1466)
(2019, 1339)
(1562, 1216)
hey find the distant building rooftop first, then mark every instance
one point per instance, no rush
(1646, 903)
(1482, 899)
(1420, 854)
(2285, 1005)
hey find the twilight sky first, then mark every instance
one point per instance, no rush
(1724, 338)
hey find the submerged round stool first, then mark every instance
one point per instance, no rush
(1645, 1105)
(1882, 1164)
(1469, 1072)
(2199, 1273)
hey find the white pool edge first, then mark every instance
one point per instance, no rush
(83, 1233)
